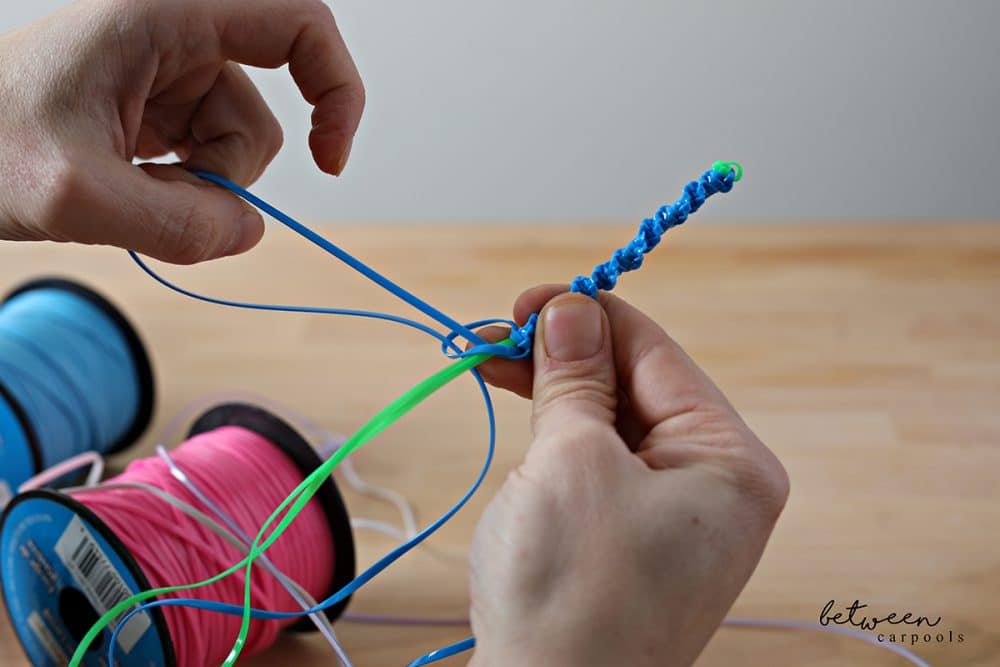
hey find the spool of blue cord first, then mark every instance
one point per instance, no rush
(74, 377)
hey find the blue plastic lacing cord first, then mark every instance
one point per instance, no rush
(445, 652)
(718, 179)
(368, 272)
(359, 581)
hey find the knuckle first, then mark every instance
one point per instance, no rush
(275, 138)
(358, 94)
(317, 9)
(762, 479)
(568, 388)
(748, 466)
(528, 499)
(584, 443)
(188, 235)
(523, 483)
(569, 442)
(780, 486)
(63, 193)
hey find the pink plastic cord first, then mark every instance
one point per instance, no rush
(246, 477)
(329, 443)
(304, 601)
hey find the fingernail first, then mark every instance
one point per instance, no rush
(345, 156)
(573, 329)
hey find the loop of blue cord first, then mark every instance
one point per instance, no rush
(368, 272)
(523, 336)
(604, 277)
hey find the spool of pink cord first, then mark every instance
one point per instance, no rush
(66, 559)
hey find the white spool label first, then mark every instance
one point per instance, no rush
(99, 580)
(47, 639)
(6, 493)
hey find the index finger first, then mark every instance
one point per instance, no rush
(303, 34)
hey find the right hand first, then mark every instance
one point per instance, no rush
(641, 509)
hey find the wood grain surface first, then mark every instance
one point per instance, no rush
(866, 355)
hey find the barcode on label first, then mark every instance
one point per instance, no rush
(99, 580)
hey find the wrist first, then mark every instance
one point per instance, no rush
(549, 650)
(529, 657)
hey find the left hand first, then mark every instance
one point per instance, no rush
(101, 82)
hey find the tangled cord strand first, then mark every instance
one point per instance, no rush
(719, 179)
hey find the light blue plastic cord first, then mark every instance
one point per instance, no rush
(71, 370)
(603, 277)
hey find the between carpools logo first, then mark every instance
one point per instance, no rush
(893, 627)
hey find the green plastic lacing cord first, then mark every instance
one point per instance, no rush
(722, 167)
(298, 499)
(304, 492)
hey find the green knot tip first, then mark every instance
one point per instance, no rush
(722, 167)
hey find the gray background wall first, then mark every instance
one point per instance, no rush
(550, 109)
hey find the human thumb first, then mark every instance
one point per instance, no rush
(574, 385)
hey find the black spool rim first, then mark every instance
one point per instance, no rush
(279, 432)
(147, 390)
(159, 620)
(26, 427)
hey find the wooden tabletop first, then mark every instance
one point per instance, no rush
(866, 355)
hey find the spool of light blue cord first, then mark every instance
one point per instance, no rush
(74, 377)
